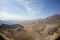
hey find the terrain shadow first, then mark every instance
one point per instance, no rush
(58, 38)
(1, 38)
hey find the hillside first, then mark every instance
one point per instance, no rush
(45, 27)
(41, 29)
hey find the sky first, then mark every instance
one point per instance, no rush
(28, 9)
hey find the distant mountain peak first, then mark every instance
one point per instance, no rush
(56, 15)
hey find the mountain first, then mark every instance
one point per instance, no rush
(10, 26)
(49, 20)
(49, 26)
(53, 19)
(9, 22)
(4, 22)
(40, 29)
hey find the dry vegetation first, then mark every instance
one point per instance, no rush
(47, 29)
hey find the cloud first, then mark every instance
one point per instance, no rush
(21, 10)
(32, 8)
(8, 16)
(3, 9)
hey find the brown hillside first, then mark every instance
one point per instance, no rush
(46, 29)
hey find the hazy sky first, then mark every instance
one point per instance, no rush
(28, 9)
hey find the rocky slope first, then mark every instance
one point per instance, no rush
(45, 29)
